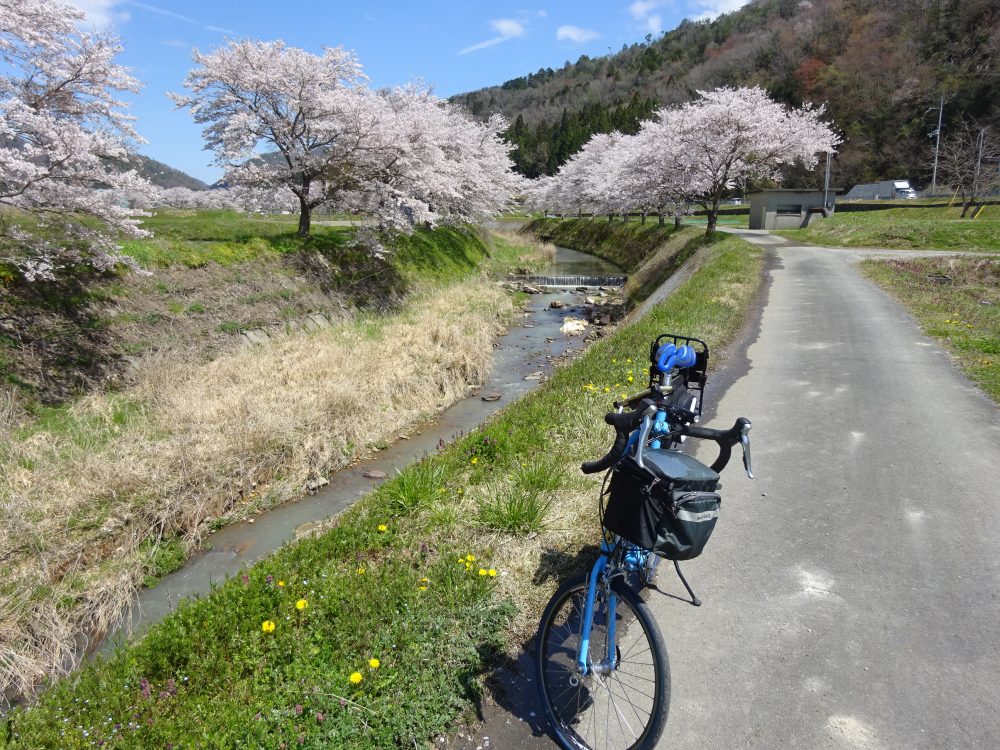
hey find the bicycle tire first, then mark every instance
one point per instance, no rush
(573, 712)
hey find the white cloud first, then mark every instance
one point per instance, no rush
(162, 12)
(640, 8)
(506, 28)
(101, 13)
(654, 24)
(575, 34)
(178, 43)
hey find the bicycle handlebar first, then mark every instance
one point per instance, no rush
(738, 433)
(625, 422)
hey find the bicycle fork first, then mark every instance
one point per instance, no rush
(583, 665)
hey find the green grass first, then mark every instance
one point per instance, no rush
(195, 238)
(905, 228)
(515, 510)
(964, 315)
(210, 677)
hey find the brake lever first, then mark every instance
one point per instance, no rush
(745, 444)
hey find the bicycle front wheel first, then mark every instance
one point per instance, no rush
(621, 702)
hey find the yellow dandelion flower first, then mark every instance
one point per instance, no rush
(374, 663)
(301, 604)
(470, 558)
(361, 571)
(630, 378)
(422, 588)
(425, 580)
(607, 390)
(356, 678)
(382, 528)
(482, 571)
(475, 460)
(281, 583)
(468, 566)
(492, 572)
(267, 626)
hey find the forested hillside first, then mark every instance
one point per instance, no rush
(163, 175)
(880, 65)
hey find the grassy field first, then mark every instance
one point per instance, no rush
(910, 227)
(375, 633)
(963, 314)
(112, 488)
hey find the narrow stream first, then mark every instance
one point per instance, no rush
(530, 346)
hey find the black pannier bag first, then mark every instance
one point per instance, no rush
(670, 507)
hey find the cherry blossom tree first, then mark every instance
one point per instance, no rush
(403, 155)
(309, 111)
(690, 154)
(62, 131)
(431, 162)
(732, 135)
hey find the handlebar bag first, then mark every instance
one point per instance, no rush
(673, 514)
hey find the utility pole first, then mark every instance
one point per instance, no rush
(937, 145)
(826, 182)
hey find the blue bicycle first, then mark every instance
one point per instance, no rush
(601, 661)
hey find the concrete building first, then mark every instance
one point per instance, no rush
(788, 209)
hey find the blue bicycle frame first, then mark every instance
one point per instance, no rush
(633, 557)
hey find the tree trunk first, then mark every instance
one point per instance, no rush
(643, 217)
(677, 221)
(662, 219)
(713, 217)
(305, 217)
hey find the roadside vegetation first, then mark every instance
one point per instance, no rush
(107, 488)
(408, 597)
(957, 301)
(906, 228)
(626, 244)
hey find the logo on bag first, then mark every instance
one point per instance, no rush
(693, 517)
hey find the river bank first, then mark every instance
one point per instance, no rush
(114, 489)
(282, 650)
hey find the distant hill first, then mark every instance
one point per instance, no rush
(880, 65)
(163, 175)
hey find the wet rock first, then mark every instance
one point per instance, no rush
(583, 289)
(492, 397)
(557, 304)
(530, 289)
(374, 474)
(313, 485)
(573, 326)
(535, 375)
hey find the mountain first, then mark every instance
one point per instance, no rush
(880, 66)
(163, 175)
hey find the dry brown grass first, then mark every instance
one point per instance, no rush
(86, 500)
(537, 252)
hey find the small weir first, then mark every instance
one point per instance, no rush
(573, 281)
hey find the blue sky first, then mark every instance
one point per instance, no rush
(455, 46)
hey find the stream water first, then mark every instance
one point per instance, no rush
(531, 345)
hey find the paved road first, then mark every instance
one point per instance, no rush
(852, 591)
(857, 604)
